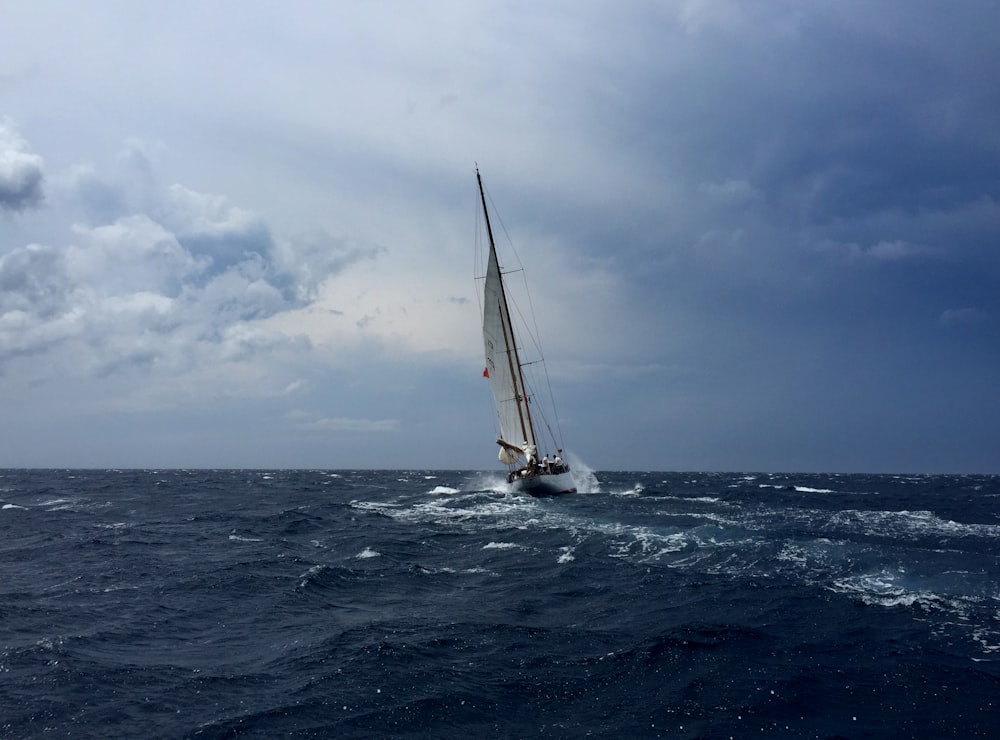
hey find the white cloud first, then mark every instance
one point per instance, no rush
(21, 171)
(134, 253)
(167, 302)
(303, 420)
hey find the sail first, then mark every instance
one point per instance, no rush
(502, 363)
(503, 368)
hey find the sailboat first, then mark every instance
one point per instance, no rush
(518, 441)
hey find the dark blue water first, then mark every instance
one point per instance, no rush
(431, 604)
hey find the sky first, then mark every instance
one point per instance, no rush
(757, 236)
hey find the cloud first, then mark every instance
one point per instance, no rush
(898, 249)
(209, 225)
(303, 420)
(895, 250)
(963, 316)
(185, 279)
(21, 172)
(132, 254)
(731, 191)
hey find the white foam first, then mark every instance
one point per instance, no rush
(793, 554)
(469, 571)
(115, 525)
(911, 523)
(885, 589)
(583, 475)
(313, 571)
(241, 538)
(500, 546)
(64, 505)
(309, 574)
(567, 554)
(635, 490)
(377, 506)
(988, 640)
(368, 553)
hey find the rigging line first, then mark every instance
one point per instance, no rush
(532, 327)
(543, 411)
(555, 411)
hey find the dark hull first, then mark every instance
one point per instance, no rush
(545, 484)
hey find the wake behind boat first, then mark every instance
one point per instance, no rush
(515, 402)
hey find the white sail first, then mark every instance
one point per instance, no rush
(503, 368)
(502, 365)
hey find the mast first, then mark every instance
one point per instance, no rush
(523, 410)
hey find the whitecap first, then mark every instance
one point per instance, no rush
(567, 555)
(13, 506)
(239, 538)
(911, 523)
(500, 546)
(987, 639)
(884, 589)
(368, 553)
(313, 570)
(633, 491)
(445, 489)
(310, 574)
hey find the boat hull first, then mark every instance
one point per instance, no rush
(545, 484)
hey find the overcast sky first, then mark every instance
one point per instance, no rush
(758, 236)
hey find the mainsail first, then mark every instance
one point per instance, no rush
(517, 437)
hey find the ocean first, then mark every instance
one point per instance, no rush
(321, 604)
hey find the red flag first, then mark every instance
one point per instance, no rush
(486, 372)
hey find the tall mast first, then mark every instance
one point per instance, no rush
(523, 410)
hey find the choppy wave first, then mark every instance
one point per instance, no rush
(436, 603)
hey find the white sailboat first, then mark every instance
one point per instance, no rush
(519, 445)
